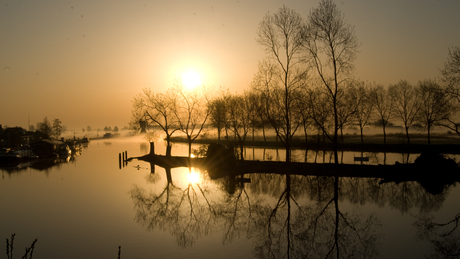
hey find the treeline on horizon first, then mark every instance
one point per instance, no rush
(54, 129)
(306, 84)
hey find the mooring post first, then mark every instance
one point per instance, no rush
(119, 160)
(152, 148)
(126, 157)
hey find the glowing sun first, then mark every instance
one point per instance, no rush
(191, 79)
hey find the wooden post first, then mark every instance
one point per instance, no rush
(126, 158)
(119, 160)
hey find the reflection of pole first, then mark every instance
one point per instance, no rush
(152, 148)
(337, 214)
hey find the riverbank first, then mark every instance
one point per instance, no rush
(442, 143)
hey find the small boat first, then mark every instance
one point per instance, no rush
(65, 151)
(15, 155)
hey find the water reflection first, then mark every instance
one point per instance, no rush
(43, 165)
(316, 228)
(444, 237)
(301, 218)
(174, 209)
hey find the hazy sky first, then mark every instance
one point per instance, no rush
(84, 61)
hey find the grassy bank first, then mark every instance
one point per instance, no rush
(443, 143)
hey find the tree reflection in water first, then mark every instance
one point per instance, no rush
(317, 229)
(177, 210)
(286, 216)
(444, 237)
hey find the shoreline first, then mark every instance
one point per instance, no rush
(448, 144)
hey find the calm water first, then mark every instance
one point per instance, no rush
(87, 207)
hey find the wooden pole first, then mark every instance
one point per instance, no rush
(119, 160)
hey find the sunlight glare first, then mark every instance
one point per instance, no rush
(191, 79)
(194, 177)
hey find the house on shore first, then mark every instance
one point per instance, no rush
(15, 137)
(48, 147)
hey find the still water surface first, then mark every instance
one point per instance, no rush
(87, 207)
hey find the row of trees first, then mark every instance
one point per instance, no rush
(179, 109)
(306, 83)
(51, 130)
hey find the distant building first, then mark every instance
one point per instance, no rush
(15, 137)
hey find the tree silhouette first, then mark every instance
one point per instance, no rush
(279, 80)
(435, 105)
(332, 45)
(406, 104)
(383, 105)
(156, 109)
(191, 110)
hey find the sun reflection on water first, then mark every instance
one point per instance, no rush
(194, 177)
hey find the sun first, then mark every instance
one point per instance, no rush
(191, 79)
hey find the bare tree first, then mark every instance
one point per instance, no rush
(451, 79)
(45, 127)
(280, 35)
(190, 110)
(451, 72)
(383, 105)
(158, 109)
(239, 118)
(332, 45)
(406, 104)
(364, 106)
(57, 128)
(218, 116)
(435, 105)
(258, 103)
(346, 105)
(320, 110)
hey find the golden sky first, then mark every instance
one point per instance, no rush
(83, 61)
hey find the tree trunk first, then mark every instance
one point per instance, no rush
(362, 137)
(189, 138)
(384, 135)
(168, 150)
(407, 134)
(242, 150)
(429, 140)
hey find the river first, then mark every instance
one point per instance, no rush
(87, 207)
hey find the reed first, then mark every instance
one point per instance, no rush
(10, 247)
